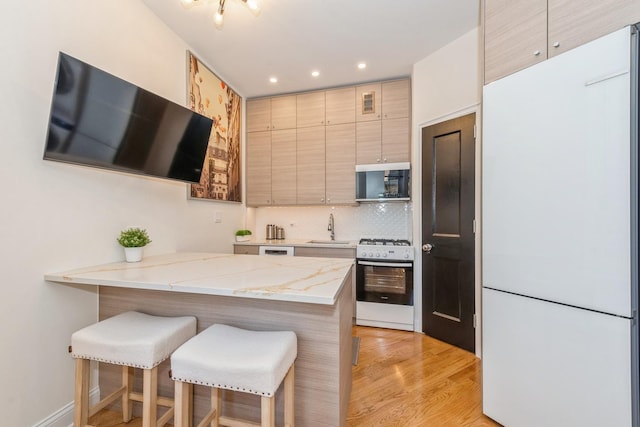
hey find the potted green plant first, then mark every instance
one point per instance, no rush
(243, 235)
(133, 240)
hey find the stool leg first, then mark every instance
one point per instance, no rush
(289, 407)
(216, 404)
(81, 397)
(150, 398)
(127, 403)
(182, 401)
(268, 409)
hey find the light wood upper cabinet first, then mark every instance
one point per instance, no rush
(283, 112)
(305, 146)
(395, 140)
(311, 166)
(258, 173)
(369, 102)
(368, 142)
(515, 36)
(395, 99)
(340, 177)
(572, 23)
(520, 33)
(283, 167)
(310, 109)
(340, 106)
(258, 114)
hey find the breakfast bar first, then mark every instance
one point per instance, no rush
(310, 296)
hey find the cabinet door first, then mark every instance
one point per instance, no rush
(283, 112)
(283, 167)
(258, 114)
(368, 142)
(395, 141)
(368, 102)
(311, 166)
(340, 105)
(575, 22)
(395, 99)
(310, 109)
(341, 164)
(515, 36)
(258, 168)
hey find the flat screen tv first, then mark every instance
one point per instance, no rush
(100, 120)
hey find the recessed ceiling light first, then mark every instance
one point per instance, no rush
(315, 73)
(362, 65)
(273, 79)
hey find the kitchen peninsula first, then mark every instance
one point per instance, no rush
(310, 296)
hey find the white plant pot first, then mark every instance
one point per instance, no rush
(133, 254)
(243, 238)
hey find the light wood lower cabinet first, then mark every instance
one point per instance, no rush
(246, 249)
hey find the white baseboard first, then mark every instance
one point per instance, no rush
(63, 417)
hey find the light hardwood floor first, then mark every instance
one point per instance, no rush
(403, 379)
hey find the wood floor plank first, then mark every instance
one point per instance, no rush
(402, 379)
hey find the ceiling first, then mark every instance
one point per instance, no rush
(291, 38)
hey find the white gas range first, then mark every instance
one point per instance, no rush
(384, 283)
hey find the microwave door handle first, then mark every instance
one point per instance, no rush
(386, 264)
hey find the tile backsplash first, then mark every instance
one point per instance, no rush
(380, 220)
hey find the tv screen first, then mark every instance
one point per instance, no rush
(100, 120)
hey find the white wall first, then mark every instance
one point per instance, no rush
(445, 85)
(56, 216)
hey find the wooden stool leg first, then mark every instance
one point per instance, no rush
(81, 397)
(183, 399)
(289, 407)
(150, 397)
(127, 403)
(216, 405)
(268, 409)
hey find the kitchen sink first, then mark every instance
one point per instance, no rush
(330, 242)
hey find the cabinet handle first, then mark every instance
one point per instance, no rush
(556, 44)
(322, 200)
(328, 200)
(328, 121)
(378, 160)
(537, 53)
(384, 160)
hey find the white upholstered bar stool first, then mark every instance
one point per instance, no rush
(133, 340)
(224, 357)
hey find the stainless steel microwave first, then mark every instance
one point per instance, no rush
(384, 182)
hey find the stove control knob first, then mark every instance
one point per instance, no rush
(406, 256)
(378, 254)
(370, 254)
(384, 255)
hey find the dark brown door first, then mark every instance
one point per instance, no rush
(448, 253)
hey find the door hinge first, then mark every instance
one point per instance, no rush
(474, 226)
(475, 129)
(475, 321)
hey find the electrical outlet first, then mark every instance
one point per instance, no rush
(218, 217)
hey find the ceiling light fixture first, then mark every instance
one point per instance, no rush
(362, 65)
(315, 73)
(273, 79)
(218, 17)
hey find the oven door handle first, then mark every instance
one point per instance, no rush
(385, 264)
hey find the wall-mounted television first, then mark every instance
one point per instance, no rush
(100, 120)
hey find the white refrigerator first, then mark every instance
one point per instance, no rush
(560, 240)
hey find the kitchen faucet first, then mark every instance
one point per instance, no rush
(332, 227)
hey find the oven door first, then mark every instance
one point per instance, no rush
(384, 282)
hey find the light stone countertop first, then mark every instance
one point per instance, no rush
(278, 278)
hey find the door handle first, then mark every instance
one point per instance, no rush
(427, 248)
